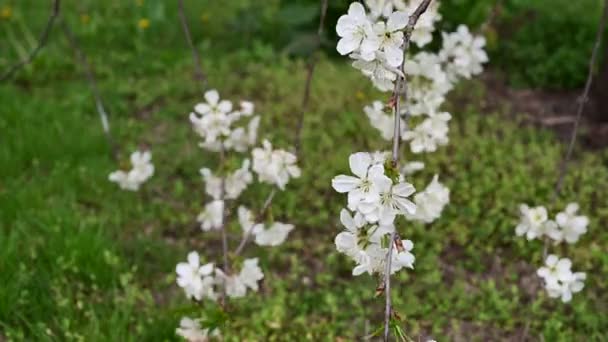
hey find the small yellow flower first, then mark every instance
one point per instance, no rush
(6, 12)
(360, 95)
(143, 23)
(205, 17)
(85, 18)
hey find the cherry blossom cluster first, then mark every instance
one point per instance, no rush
(568, 226)
(223, 128)
(142, 169)
(378, 192)
(377, 195)
(375, 41)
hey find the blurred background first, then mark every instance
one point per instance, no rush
(82, 260)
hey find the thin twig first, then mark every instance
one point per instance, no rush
(259, 218)
(310, 71)
(399, 91)
(88, 71)
(387, 285)
(579, 114)
(226, 265)
(401, 83)
(198, 67)
(41, 43)
(582, 101)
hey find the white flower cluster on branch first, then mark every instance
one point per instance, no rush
(378, 193)
(224, 129)
(559, 280)
(375, 41)
(142, 169)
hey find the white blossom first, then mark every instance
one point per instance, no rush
(570, 226)
(356, 33)
(240, 139)
(142, 169)
(382, 121)
(534, 222)
(412, 167)
(190, 329)
(196, 280)
(559, 280)
(390, 37)
(236, 285)
(211, 218)
(430, 202)
(403, 256)
(275, 235)
(379, 71)
(423, 31)
(361, 242)
(363, 194)
(274, 166)
(463, 53)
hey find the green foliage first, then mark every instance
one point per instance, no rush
(82, 260)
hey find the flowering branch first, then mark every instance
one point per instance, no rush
(222, 227)
(582, 101)
(401, 83)
(82, 58)
(41, 43)
(198, 69)
(387, 285)
(399, 91)
(260, 216)
(311, 69)
(579, 113)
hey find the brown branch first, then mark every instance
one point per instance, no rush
(582, 101)
(401, 83)
(310, 71)
(399, 91)
(81, 57)
(198, 68)
(41, 43)
(259, 218)
(387, 285)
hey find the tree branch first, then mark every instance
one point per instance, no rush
(399, 91)
(582, 101)
(311, 69)
(259, 218)
(387, 285)
(401, 83)
(81, 57)
(198, 67)
(41, 43)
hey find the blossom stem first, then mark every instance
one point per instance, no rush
(44, 36)
(198, 68)
(582, 101)
(399, 91)
(310, 71)
(387, 285)
(88, 71)
(222, 196)
(401, 82)
(260, 216)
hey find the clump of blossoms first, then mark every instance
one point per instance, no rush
(374, 40)
(379, 191)
(142, 169)
(568, 226)
(224, 129)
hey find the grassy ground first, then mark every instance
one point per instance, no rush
(82, 260)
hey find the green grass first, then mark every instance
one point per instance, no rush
(82, 260)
